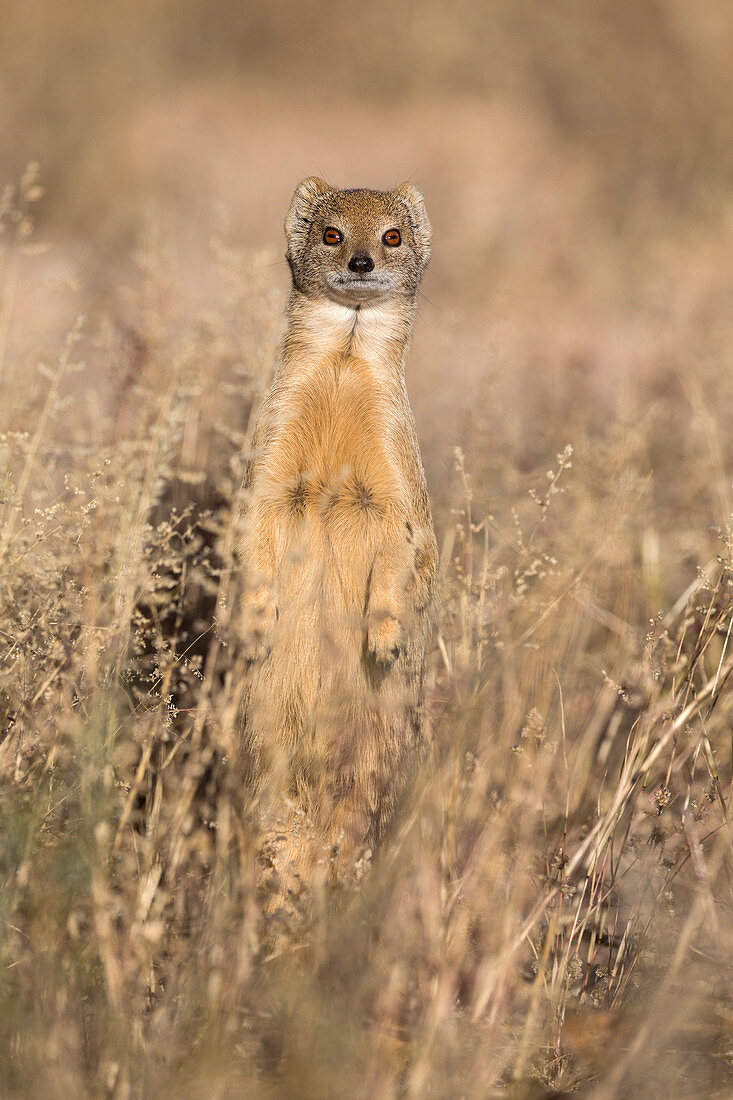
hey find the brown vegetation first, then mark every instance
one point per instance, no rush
(554, 911)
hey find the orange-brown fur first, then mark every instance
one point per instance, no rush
(339, 556)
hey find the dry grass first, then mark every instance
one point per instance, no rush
(554, 910)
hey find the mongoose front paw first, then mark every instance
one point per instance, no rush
(385, 642)
(385, 658)
(256, 651)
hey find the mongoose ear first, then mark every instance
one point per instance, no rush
(421, 227)
(300, 214)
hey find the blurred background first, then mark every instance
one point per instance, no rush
(577, 162)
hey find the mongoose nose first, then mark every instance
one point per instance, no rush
(360, 263)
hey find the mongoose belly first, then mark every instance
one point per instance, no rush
(330, 492)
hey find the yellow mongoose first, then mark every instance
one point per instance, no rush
(338, 549)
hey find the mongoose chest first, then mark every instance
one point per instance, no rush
(331, 459)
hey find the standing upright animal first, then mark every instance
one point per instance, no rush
(338, 550)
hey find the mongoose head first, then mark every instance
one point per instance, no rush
(357, 247)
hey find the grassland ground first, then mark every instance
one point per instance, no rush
(553, 912)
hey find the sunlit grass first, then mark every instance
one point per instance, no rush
(553, 908)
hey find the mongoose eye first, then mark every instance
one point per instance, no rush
(332, 236)
(392, 238)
